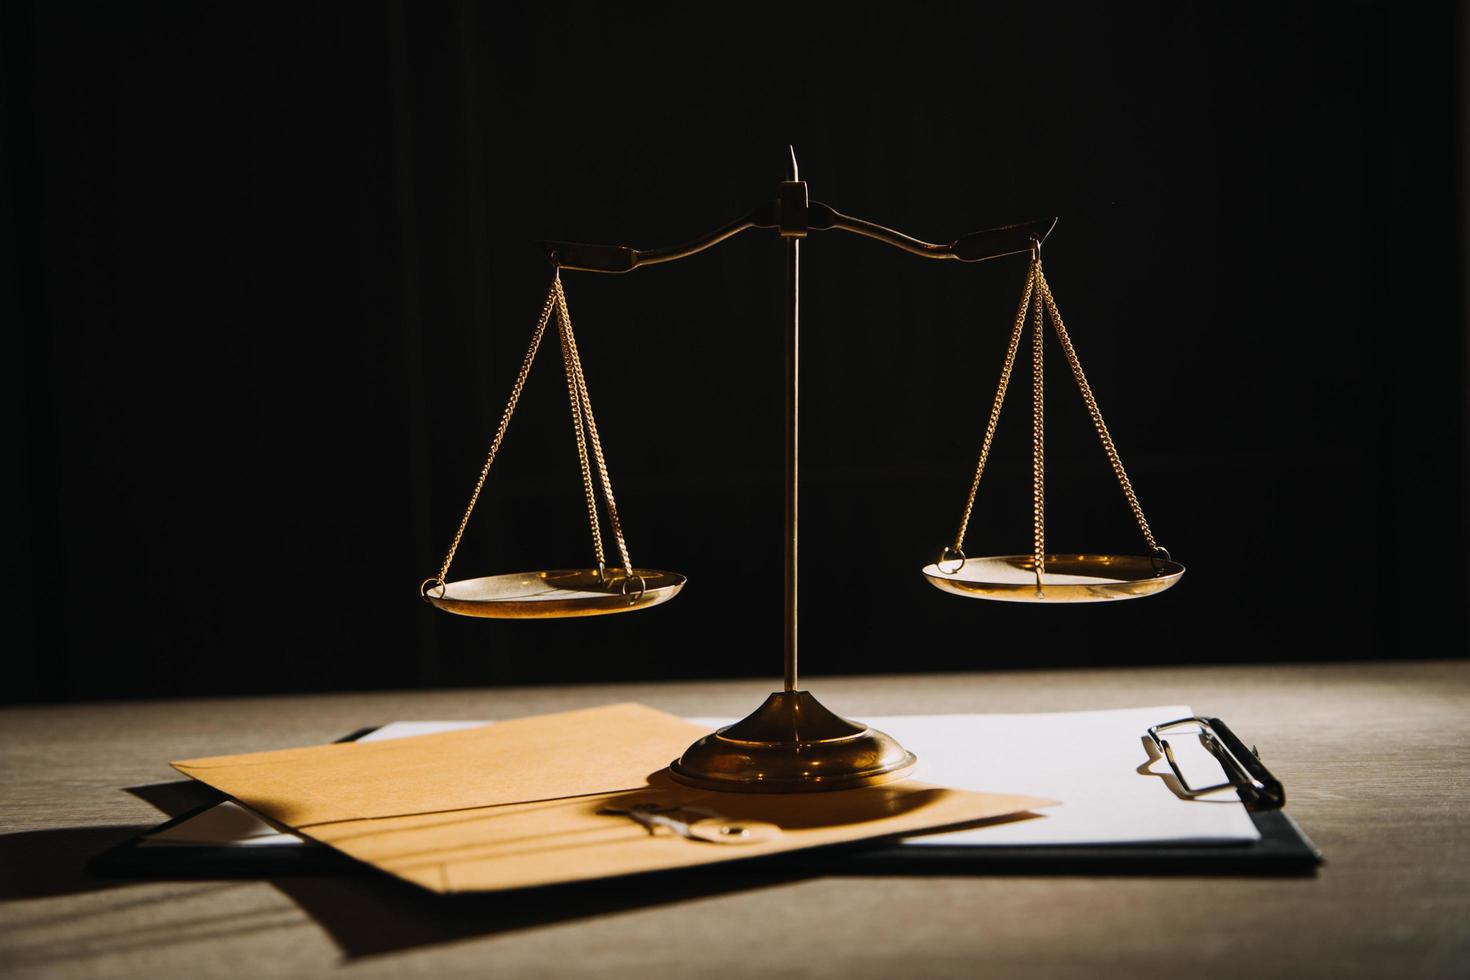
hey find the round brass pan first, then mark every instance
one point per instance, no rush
(555, 594)
(1064, 578)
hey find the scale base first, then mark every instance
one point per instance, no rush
(792, 744)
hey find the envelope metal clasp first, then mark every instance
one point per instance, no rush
(695, 823)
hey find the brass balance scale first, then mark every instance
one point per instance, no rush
(792, 743)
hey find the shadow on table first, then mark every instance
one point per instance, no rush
(372, 913)
(178, 797)
(364, 913)
(367, 915)
(43, 863)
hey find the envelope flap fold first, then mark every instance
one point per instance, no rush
(517, 761)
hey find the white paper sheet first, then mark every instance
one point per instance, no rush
(1092, 761)
(226, 824)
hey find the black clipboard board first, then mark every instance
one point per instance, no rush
(1282, 850)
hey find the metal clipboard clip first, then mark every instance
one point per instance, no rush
(1258, 789)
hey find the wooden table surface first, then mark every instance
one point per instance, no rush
(1373, 757)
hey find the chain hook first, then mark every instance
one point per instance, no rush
(950, 553)
(1160, 554)
(642, 587)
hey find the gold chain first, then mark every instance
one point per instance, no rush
(1000, 397)
(1038, 301)
(564, 318)
(574, 394)
(1038, 449)
(583, 423)
(510, 407)
(1097, 419)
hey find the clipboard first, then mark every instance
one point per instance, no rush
(1282, 849)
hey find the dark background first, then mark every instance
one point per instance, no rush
(269, 271)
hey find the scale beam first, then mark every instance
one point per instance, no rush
(974, 247)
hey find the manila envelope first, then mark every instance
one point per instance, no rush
(522, 803)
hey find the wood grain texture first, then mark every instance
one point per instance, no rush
(1371, 754)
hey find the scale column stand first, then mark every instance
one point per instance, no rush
(791, 743)
(793, 204)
